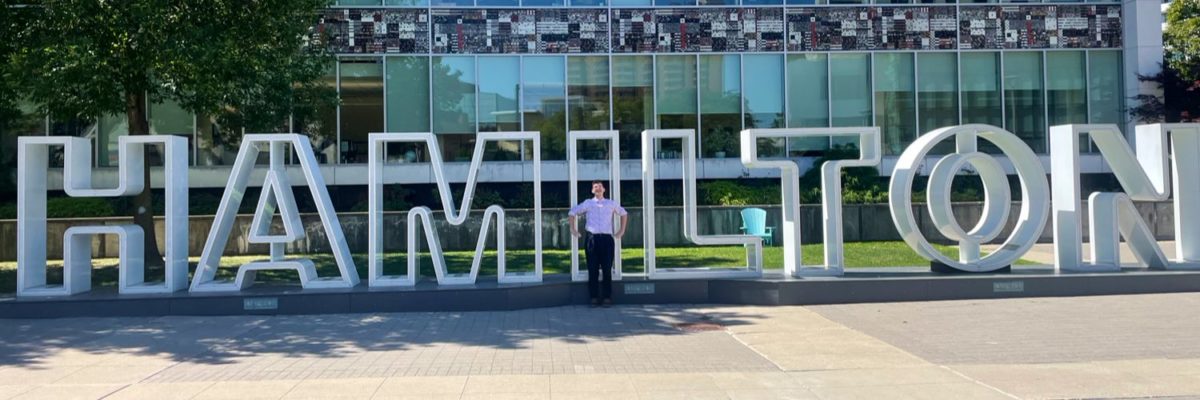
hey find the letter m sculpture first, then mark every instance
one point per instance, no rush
(493, 214)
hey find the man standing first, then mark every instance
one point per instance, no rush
(600, 244)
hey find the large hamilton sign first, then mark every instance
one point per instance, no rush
(1153, 172)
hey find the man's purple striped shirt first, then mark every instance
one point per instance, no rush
(599, 214)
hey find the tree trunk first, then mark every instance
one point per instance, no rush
(143, 204)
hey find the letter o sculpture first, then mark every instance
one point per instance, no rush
(1035, 196)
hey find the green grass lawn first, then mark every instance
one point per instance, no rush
(859, 254)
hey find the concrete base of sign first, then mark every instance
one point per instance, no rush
(859, 285)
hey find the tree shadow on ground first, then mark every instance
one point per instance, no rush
(39, 344)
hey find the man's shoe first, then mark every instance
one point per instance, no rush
(595, 303)
(607, 303)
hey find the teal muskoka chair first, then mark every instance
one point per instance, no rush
(754, 222)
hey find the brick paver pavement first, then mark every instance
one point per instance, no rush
(1037, 330)
(1094, 347)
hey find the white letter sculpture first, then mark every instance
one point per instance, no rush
(33, 162)
(1145, 176)
(425, 215)
(753, 244)
(1034, 196)
(276, 195)
(831, 190)
(614, 165)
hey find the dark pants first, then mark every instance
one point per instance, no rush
(600, 260)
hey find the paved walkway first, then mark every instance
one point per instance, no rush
(1043, 253)
(1092, 347)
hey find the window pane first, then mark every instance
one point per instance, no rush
(850, 83)
(764, 91)
(587, 100)
(499, 88)
(633, 101)
(850, 89)
(362, 106)
(895, 101)
(358, 2)
(1025, 106)
(168, 118)
(938, 91)
(764, 98)
(1104, 88)
(406, 2)
(980, 74)
(1066, 89)
(621, 3)
(164, 118)
(502, 3)
(543, 3)
(676, 92)
(808, 100)
(499, 83)
(108, 130)
(408, 94)
(545, 103)
(454, 106)
(720, 104)
(675, 88)
(589, 3)
(587, 77)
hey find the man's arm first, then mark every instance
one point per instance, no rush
(624, 221)
(573, 213)
(571, 222)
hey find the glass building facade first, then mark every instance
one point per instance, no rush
(459, 67)
(722, 66)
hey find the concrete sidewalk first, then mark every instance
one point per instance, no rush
(1116, 346)
(1043, 253)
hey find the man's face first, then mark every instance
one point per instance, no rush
(598, 189)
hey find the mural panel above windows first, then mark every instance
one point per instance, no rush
(525, 30)
(697, 30)
(1040, 27)
(365, 31)
(718, 29)
(871, 28)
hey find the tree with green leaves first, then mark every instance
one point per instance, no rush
(253, 61)
(1180, 78)
(1181, 39)
(8, 104)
